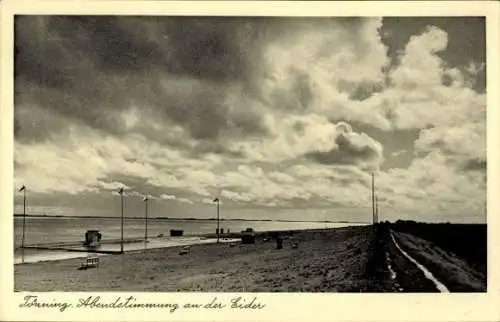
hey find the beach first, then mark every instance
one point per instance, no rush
(326, 260)
(372, 258)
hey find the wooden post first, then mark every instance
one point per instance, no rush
(218, 224)
(121, 240)
(373, 197)
(146, 221)
(24, 223)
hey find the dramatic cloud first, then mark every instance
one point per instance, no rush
(349, 148)
(270, 114)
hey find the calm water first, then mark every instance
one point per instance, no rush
(53, 230)
(57, 230)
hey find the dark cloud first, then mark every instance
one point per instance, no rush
(208, 48)
(360, 91)
(351, 148)
(302, 88)
(90, 68)
(179, 69)
(475, 165)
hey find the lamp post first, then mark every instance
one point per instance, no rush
(23, 189)
(121, 200)
(373, 197)
(216, 200)
(146, 200)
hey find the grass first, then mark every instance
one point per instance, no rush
(468, 241)
(455, 273)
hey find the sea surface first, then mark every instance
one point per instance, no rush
(46, 230)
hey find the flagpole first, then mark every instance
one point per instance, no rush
(373, 197)
(146, 222)
(24, 223)
(121, 243)
(218, 224)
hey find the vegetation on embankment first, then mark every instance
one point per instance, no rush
(456, 274)
(467, 241)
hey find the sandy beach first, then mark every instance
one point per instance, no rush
(333, 260)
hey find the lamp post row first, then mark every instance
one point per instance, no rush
(122, 206)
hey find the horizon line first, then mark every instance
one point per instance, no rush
(193, 218)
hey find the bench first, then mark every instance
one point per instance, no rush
(91, 261)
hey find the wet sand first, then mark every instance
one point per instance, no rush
(333, 260)
(33, 254)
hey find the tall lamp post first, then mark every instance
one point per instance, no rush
(121, 201)
(373, 197)
(216, 200)
(23, 190)
(146, 201)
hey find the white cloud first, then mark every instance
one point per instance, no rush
(168, 197)
(313, 136)
(474, 68)
(281, 177)
(398, 153)
(210, 201)
(467, 141)
(419, 66)
(185, 200)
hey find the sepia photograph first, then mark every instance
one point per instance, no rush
(249, 154)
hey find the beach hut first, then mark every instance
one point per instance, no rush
(248, 236)
(176, 232)
(92, 238)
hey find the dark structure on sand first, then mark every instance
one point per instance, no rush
(176, 232)
(92, 239)
(248, 236)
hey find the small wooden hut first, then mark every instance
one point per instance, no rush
(176, 232)
(248, 236)
(92, 238)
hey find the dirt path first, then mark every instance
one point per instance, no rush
(446, 271)
(427, 274)
(407, 277)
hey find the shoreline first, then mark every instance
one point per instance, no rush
(345, 259)
(186, 240)
(325, 260)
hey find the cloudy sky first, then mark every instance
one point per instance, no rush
(283, 118)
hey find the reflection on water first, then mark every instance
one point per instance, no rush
(71, 231)
(60, 230)
(35, 255)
